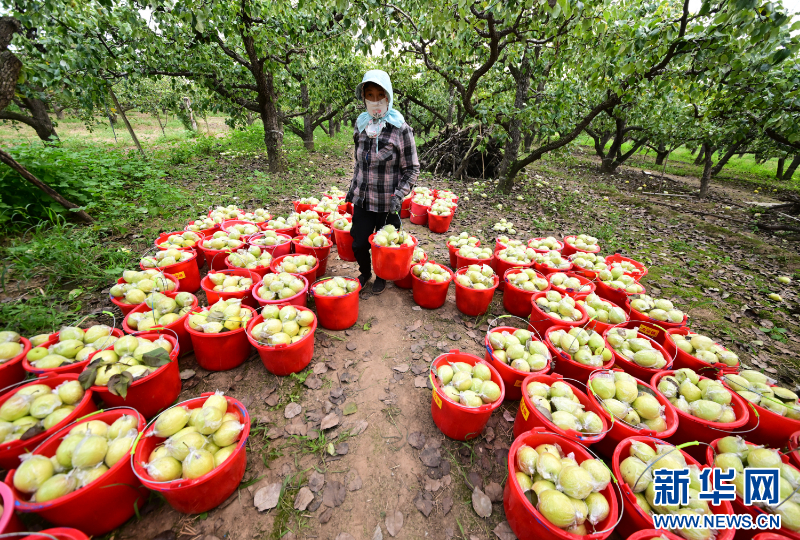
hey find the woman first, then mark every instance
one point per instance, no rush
(385, 171)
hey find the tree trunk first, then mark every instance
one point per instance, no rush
(308, 126)
(611, 165)
(187, 104)
(127, 123)
(708, 152)
(661, 154)
(607, 165)
(267, 103)
(158, 117)
(779, 172)
(527, 141)
(26, 174)
(511, 153)
(726, 157)
(792, 167)
(451, 105)
(701, 156)
(38, 118)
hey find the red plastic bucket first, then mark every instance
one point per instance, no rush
(76, 367)
(222, 351)
(187, 272)
(696, 429)
(13, 371)
(570, 291)
(546, 270)
(419, 213)
(794, 443)
(440, 224)
(515, 300)
(634, 518)
(524, 519)
(770, 536)
(631, 367)
(127, 308)
(405, 208)
(337, 312)
(260, 270)
(344, 245)
(301, 207)
(528, 416)
(99, 507)
(183, 336)
(153, 393)
(10, 451)
(647, 534)
(300, 299)
(765, 426)
(617, 296)
(620, 431)
(321, 253)
(405, 283)
(310, 275)
(284, 359)
(501, 267)
(544, 250)
(453, 419)
(565, 365)
(9, 522)
(512, 378)
(541, 322)
(601, 327)
(430, 295)
(738, 505)
(686, 360)
(638, 274)
(392, 263)
(277, 250)
(569, 249)
(59, 533)
(163, 238)
(202, 494)
(474, 302)
(245, 296)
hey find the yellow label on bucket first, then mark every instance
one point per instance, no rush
(648, 331)
(518, 382)
(437, 399)
(180, 275)
(524, 409)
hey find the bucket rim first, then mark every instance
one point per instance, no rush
(446, 283)
(64, 368)
(487, 407)
(540, 250)
(274, 265)
(165, 269)
(229, 271)
(165, 235)
(558, 322)
(194, 482)
(28, 507)
(577, 249)
(260, 235)
(313, 295)
(176, 351)
(87, 396)
(280, 347)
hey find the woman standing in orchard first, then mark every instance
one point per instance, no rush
(386, 168)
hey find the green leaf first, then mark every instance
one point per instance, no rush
(156, 358)
(118, 384)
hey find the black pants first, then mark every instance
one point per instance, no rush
(364, 224)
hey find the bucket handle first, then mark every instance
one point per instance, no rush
(25, 534)
(82, 418)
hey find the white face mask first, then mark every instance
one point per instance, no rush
(377, 109)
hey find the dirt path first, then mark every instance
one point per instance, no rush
(373, 379)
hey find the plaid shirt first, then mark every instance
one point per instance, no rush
(392, 170)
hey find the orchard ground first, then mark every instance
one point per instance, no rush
(702, 255)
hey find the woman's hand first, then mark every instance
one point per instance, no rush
(394, 206)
